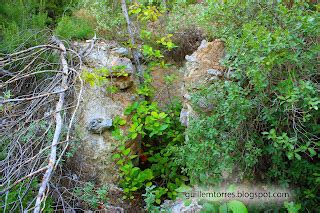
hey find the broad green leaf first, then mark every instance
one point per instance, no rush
(116, 156)
(126, 151)
(312, 152)
(237, 207)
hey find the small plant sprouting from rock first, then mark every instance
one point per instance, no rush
(91, 195)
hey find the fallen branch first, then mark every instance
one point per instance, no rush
(57, 132)
(31, 98)
(72, 119)
(89, 48)
(30, 49)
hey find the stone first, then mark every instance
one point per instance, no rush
(184, 117)
(123, 83)
(133, 98)
(120, 61)
(97, 58)
(121, 51)
(204, 105)
(99, 125)
(213, 78)
(202, 68)
(202, 65)
(187, 97)
(215, 72)
(191, 58)
(204, 44)
(95, 144)
(179, 206)
(104, 55)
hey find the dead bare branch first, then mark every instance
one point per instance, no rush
(57, 132)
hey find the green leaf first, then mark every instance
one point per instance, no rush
(122, 148)
(126, 151)
(290, 155)
(132, 156)
(163, 127)
(120, 162)
(122, 122)
(184, 178)
(312, 152)
(237, 207)
(134, 135)
(292, 207)
(183, 188)
(116, 156)
(134, 189)
(224, 208)
(209, 207)
(154, 114)
(297, 156)
(158, 201)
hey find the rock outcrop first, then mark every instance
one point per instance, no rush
(201, 68)
(93, 159)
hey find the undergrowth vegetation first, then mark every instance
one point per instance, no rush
(20, 26)
(264, 123)
(74, 28)
(154, 130)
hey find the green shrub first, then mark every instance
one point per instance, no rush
(266, 119)
(24, 23)
(214, 143)
(188, 26)
(159, 131)
(186, 17)
(24, 194)
(108, 15)
(70, 27)
(21, 27)
(91, 195)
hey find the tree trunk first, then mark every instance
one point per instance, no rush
(134, 51)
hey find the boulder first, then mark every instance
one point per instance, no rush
(214, 72)
(115, 64)
(121, 51)
(99, 125)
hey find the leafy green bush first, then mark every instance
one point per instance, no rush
(25, 192)
(265, 119)
(158, 132)
(92, 195)
(108, 15)
(188, 26)
(21, 27)
(70, 27)
(186, 17)
(24, 23)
